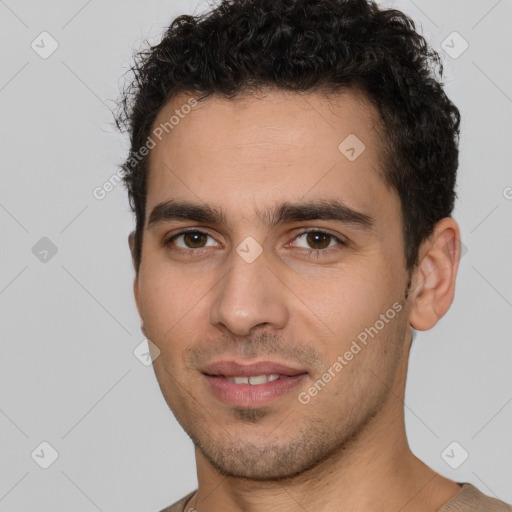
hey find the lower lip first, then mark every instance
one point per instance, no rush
(247, 395)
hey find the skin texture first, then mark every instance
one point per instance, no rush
(207, 303)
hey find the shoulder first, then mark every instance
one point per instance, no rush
(470, 499)
(179, 506)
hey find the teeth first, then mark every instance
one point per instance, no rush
(258, 379)
(254, 380)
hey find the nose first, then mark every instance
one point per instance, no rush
(249, 295)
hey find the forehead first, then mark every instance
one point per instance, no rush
(274, 147)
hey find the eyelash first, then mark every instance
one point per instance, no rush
(311, 252)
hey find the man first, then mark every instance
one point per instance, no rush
(292, 173)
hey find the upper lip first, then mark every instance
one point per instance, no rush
(235, 369)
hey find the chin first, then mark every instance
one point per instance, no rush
(268, 462)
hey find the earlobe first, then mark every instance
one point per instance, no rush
(138, 304)
(434, 277)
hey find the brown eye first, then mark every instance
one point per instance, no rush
(318, 240)
(194, 239)
(190, 240)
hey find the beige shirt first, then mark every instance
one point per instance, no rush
(468, 499)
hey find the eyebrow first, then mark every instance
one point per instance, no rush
(280, 214)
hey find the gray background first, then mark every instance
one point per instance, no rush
(69, 326)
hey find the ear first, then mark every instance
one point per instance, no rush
(433, 281)
(131, 243)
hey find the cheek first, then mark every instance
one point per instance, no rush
(366, 318)
(175, 309)
(352, 299)
(156, 299)
(368, 350)
(161, 303)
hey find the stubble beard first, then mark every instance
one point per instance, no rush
(278, 456)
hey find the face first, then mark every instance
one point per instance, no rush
(272, 277)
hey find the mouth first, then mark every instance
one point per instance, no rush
(251, 385)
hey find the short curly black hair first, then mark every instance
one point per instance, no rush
(308, 46)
